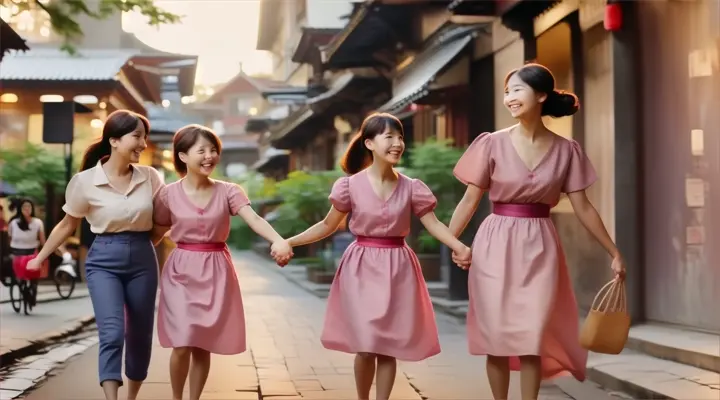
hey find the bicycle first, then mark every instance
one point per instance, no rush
(26, 297)
(65, 276)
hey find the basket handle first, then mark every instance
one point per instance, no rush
(614, 298)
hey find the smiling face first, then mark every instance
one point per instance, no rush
(132, 144)
(521, 100)
(202, 157)
(387, 146)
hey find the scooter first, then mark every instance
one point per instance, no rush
(65, 276)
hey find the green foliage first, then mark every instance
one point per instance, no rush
(432, 162)
(63, 14)
(30, 168)
(305, 200)
(259, 189)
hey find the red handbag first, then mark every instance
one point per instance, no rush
(20, 268)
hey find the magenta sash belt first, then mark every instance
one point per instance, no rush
(522, 210)
(212, 246)
(388, 242)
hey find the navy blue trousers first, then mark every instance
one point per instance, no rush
(122, 275)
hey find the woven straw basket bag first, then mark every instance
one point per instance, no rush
(606, 327)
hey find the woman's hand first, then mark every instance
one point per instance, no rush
(281, 252)
(618, 267)
(34, 264)
(463, 259)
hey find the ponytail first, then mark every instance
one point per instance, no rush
(94, 153)
(357, 157)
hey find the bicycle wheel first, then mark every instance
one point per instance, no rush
(16, 297)
(65, 284)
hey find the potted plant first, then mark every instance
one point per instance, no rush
(432, 162)
(428, 252)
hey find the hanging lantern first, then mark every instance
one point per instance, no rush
(613, 16)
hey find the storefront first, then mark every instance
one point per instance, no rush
(680, 92)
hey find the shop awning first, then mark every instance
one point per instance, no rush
(268, 157)
(10, 39)
(281, 133)
(415, 81)
(336, 87)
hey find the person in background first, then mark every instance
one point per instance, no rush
(379, 308)
(115, 195)
(200, 310)
(3, 223)
(522, 313)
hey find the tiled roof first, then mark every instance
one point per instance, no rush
(57, 65)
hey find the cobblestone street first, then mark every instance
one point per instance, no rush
(286, 360)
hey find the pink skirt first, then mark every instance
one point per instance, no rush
(379, 303)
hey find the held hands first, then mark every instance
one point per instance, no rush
(462, 258)
(281, 252)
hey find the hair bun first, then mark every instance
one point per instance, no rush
(560, 104)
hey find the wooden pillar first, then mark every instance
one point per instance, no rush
(628, 142)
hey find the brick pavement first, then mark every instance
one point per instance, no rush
(286, 360)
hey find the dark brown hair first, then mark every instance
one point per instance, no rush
(117, 125)
(357, 157)
(559, 103)
(185, 138)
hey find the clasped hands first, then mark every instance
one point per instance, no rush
(281, 252)
(462, 258)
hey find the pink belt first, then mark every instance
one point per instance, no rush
(212, 246)
(522, 210)
(388, 242)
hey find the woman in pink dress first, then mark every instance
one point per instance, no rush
(523, 313)
(379, 307)
(200, 310)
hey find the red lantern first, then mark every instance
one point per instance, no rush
(613, 16)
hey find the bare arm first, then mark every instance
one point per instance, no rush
(259, 225)
(319, 231)
(59, 234)
(442, 232)
(41, 235)
(465, 209)
(158, 233)
(591, 220)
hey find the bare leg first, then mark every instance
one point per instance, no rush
(530, 377)
(110, 389)
(199, 372)
(364, 374)
(498, 372)
(179, 367)
(386, 370)
(133, 388)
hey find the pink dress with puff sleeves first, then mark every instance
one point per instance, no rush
(200, 302)
(379, 302)
(521, 298)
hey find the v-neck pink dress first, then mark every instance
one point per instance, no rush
(200, 301)
(379, 302)
(521, 297)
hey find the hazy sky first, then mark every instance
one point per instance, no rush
(223, 33)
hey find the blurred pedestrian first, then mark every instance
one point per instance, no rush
(379, 308)
(522, 313)
(200, 311)
(27, 234)
(115, 195)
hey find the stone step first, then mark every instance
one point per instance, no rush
(677, 344)
(646, 377)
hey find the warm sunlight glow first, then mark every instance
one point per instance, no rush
(85, 99)
(96, 123)
(222, 33)
(51, 98)
(8, 98)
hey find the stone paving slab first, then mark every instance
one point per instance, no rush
(286, 361)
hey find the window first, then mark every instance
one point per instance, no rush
(240, 106)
